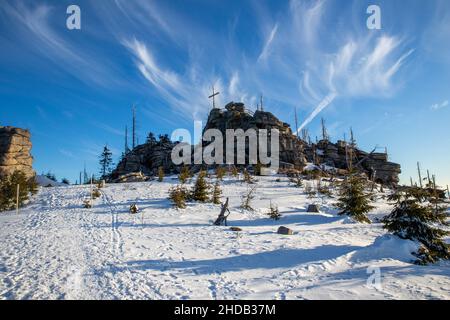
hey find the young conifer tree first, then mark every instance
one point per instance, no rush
(8, 190)
(201, 187)
(423, 221)
(217, 192)
(220, 172)
(353, 200)
(105, 162)
(184, 175)
(274, 213)
(178, 196)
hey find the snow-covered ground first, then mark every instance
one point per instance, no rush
(55, 249)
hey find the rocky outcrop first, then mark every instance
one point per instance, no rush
(374, 164)
(146, 159)
(235, 116)
(294, 152)
(15, 151)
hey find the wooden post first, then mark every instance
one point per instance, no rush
(17, 198)
(92, 200)
(420, 176)
(412, 184)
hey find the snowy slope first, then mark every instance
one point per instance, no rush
(55, 249)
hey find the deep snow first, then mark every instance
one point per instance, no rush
(55, 249)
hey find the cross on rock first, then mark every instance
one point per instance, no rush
(213, 96)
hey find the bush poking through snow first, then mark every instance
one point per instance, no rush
(87, 204)
(248, 177)
(96, 194)
(200, 192)
(160, 174)
(353, 199)
(184, 175)
(217, 192)
(134, 208)
(309, 191)
(424, 222)
(220, 172)
(178, 195)
(297, 180)
(323, 189)
(274, 213)
(247, 199)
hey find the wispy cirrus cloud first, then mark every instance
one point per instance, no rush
(35, 27)
(266, 49)
(440, 105)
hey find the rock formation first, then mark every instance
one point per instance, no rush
(294, 152)
(15, 151)
(146, 159)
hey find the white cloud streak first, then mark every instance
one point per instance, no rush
(438, 106)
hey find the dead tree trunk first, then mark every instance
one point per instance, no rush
(222, 218)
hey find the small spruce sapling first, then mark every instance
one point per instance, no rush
(178, 195)
(234, 171)
(274, 213)
(217, 192)
(248, 198)
(184, 175)
(353, 199)
(201, 187)
(220, 173)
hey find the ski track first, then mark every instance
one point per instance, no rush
(56, 249)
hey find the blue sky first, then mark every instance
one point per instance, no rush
(74, 88)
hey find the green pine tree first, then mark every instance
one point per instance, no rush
(201, 187)
(105, 163)
(353, 200)
(274, 213)
(184, 175)
(217, 192)
(220, 172)
(8, 190)
(178, 195)
(414, 219)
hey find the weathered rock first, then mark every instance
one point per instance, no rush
(294, 152)
(313, 208)
(15, 151)
(131, 177)
(285, 231)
